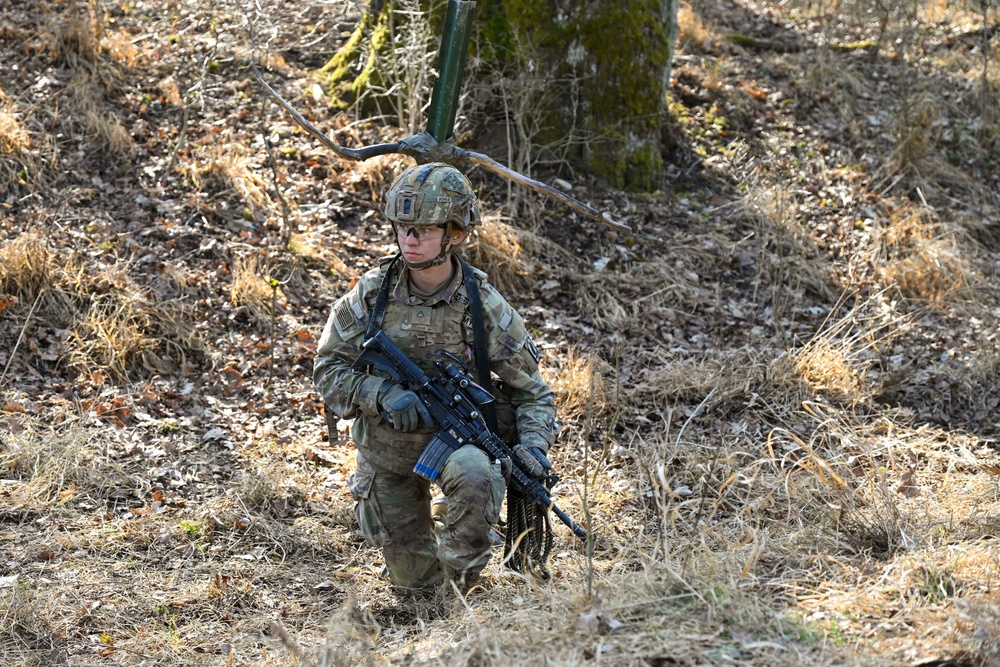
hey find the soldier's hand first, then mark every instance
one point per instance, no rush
(536, 463)
(403, 409)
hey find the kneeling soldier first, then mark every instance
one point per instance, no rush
(421, 300)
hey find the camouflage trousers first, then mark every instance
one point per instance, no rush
(394, 512)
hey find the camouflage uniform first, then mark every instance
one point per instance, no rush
(393, 503)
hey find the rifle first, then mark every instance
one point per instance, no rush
(455, 402)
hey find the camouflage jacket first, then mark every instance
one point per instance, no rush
(421, 327)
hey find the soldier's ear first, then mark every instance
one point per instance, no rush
(457, 236)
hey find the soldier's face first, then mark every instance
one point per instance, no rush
(421, 244)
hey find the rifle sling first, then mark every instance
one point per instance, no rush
(479, 343)
(381, 301)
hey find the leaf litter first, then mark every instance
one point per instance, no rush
(780, 391)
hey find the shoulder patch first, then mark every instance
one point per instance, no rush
(345, 318)
(532, 350)
(505, 319)
(350, 315)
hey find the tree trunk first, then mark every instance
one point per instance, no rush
(591, 75)
(611, 58)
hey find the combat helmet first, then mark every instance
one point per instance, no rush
(432, 194)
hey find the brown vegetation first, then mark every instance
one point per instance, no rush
(778, 395)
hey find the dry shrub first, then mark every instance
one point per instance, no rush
(307, 246)
(919, 156)
(349, 639)
(255, 290)
(127, 330)
(60, 464)
(116, 333)
(115, 324)
(988, 96)
(580, 385)
(962, 391)
(28, 266)
(826, 367)
(691, 30)
(923, 258)
(915, 128)
(984, 614)
(13, 137)
(638, 295)
(119, 48)
(829, 77)
(837, 360)
(170, 92)
(26, 631)
(88, 114)
(75, 36)
(226, 168)
(268, 490)
(728, 382)
(376, 174)
(517, 260)
(31, 269)
(786, 253)
(870, 520)
(18, 165)
(495, 247)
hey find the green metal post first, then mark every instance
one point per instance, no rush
(451, 67)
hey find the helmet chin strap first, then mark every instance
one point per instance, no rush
(441, 258)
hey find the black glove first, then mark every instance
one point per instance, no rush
(403, 409)
(536, 463)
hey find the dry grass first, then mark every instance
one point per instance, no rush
(53, 467)
(836, 360)
(227, 169)
(787, 257)
(376, 174)
(729, 383)
(89, 114)
(256, 290)
(308, 246)
(495, 247)
(28, 266)
(922, 257)
(692, 33)
(752, 505)
(826, 75)
(115, 325)
(130, 334)
(580, 385)
(31, 269)
(74, 36)
(119, 47)
(641, 294)
(13, 137)
(18, 164)
(26, 629)
(915, 136)
(517, 260)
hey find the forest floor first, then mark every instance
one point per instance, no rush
(778, 394)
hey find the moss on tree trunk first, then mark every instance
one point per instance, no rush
(611, 56)
(617, 55)
(351, 69)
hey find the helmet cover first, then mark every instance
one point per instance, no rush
(432, 194)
